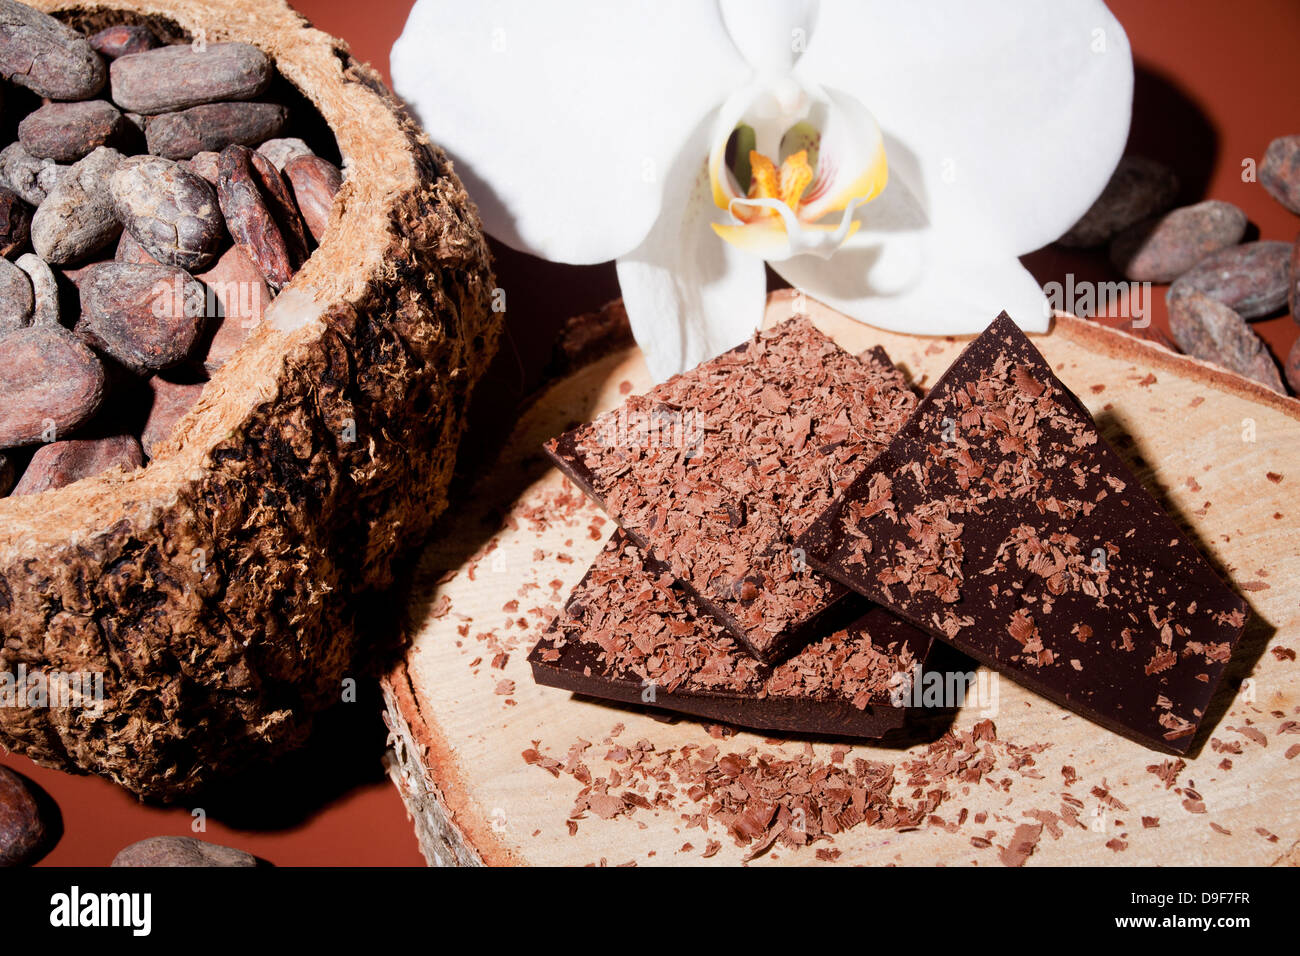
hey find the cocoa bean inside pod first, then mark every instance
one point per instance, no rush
(260, 214)
(177, 77)
(8, 474)
(77, 218)
(123, 39)
(1162, 249)
(40, 53)
(1138, 189)
(315, 183)
(130, 250)
(15, 297)
(15, 222)
(1251, 279)
(171, 211)
(1279, 173)
(171, 400)
(241, 291)
(282, 149)
(212, 126)
(50, 384)
(61, 463)
(65, 132)
(204, 163)
(45, 289)
(147, 317)
(21, 172)
(1211, 331)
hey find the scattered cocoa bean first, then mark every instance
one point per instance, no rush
(170, 210)
(1293, 367)
(1162, 249)
(205, 164)
(15, 296)
(213, 126)
(147, 317)
(178, 77)
(1251, 279)
(171, 401)
(1211, 331)
(22, 172)
(15, 222)
(65, 132)
(240, 288)
(279, 151)
(1138, 189)
(61, 463)
(77, 218)
(181, 851)
(123, 40)
(45, 289)
(22, 827)
(50, 383)
(40, 53)
(129, 250)
(260, 214)
(315, 183)
(1279, 173)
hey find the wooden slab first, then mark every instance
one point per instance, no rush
(1222, 453)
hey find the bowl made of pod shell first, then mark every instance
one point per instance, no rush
(223, 591)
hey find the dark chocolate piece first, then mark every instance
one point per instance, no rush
(628, 634)
(1000, 520)
(719, 469)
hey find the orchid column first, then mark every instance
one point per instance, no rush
(890, 159)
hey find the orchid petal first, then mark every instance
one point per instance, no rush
(564, 117)
(770, 34)
(956, 290)
(1016, 110)
(689, 296)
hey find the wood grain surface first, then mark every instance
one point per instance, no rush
(1223, 456)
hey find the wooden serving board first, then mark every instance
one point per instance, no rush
(1222, 453)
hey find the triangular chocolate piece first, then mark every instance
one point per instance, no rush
(1000, 520)
(628, 633)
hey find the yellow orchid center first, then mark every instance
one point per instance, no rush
(786, 185)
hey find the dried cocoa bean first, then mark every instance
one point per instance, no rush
(205, 164)
(315, 183)
(1293, 367)
(1279, 173)
(213, 126)
(65, 132)
(170, 210)
(181, 851)
(77, 218)
(45, 289)
(1251, 279)
(1211, 331)
(171, 401)
(15, 222)
(260, 214)
(22, 827)
(1138, 189)
(147, 317)
(178, 77)
(129, 250)
(1162, 249)
(49, 176)
(1293, 287)
(15, 296)
(60, 463)
(123, 40)
(238, 285)
(50, 383)
(40, 53)
(22, 172)
(280, 151)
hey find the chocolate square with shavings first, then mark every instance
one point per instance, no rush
(1001, 521)
(717, 470)
(629, 633)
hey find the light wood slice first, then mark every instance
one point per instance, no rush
(1221, 452)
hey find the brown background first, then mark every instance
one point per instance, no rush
(1215, 83)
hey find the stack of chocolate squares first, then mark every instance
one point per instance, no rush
(799, 535)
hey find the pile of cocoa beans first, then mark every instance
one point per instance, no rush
(1219, 284)
(151, 206)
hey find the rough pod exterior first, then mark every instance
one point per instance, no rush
(223, 591)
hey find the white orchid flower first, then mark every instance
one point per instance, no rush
(892, 159)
